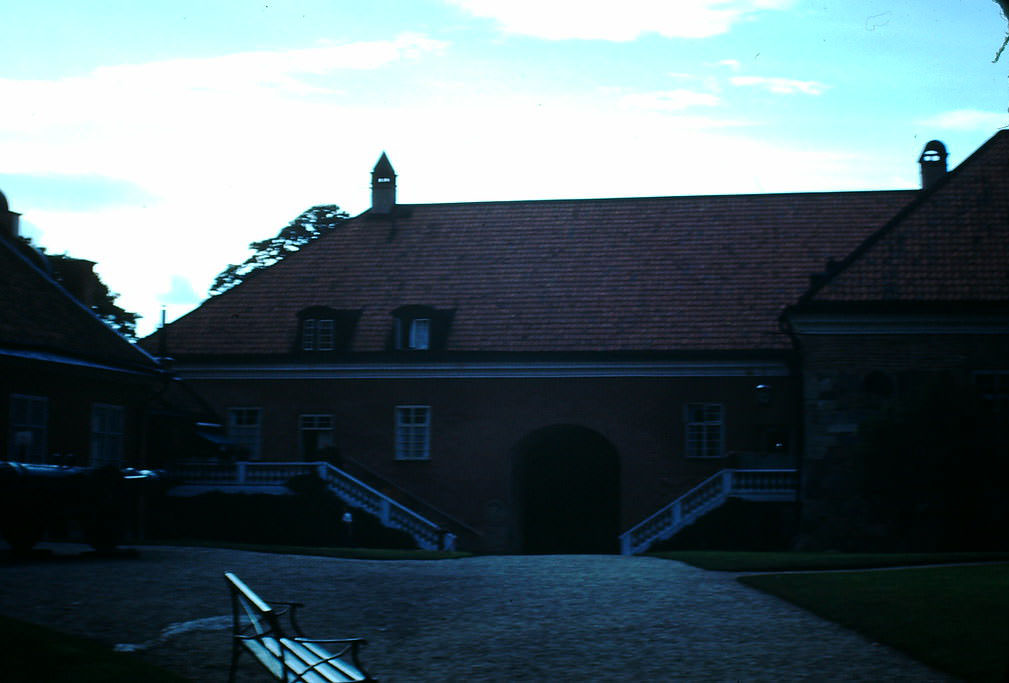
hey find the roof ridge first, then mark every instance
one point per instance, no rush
(636, 198)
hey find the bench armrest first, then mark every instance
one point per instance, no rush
(291, 610)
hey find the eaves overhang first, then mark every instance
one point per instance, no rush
(484, 370)
(837, 323)
(35, 358)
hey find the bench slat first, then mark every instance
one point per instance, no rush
(334, 671)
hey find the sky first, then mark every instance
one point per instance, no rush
(159, 139)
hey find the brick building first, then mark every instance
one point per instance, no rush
(544, 373)
(72, 390)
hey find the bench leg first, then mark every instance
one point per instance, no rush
(234, 661)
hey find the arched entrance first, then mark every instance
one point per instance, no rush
(567, 491)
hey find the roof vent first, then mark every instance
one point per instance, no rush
(933, 164)
(383, 187)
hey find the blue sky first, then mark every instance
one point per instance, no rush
(160, 138)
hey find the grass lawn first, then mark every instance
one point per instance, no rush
(955, 619)
(729, 561)
(34, 653)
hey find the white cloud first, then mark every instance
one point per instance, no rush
(780, 86)
(171, 87)
(617, 21)
(180, 292)
(967, 120)
(668, 100)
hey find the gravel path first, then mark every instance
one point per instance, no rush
(511, 618)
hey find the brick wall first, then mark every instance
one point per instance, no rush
(477, 424)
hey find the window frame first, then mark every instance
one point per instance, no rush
(308, 334)
(412, 438)
(37, 452)
(321, 423)
(108, 435)
(996, 396)
(247, 435)
(701, 448)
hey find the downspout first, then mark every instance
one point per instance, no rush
(799, 411)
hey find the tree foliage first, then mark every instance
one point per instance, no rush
(310, 225)
(85, 284)
(1004, 6)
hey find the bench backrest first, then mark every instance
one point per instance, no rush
(261, 617)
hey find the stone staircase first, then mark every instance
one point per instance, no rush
(270, 477)
(756, 485)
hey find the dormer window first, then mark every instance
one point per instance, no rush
(324, 330)
(420, 328)
(317, 334)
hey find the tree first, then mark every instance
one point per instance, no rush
(77, 276)
(310, 225)
(1004, 6)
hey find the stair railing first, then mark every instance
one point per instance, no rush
(766, 485)
(352, 491)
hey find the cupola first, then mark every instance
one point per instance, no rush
(383, 187)
(933, 164)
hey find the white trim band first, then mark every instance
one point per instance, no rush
(274, 371)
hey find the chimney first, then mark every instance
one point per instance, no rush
(9, 221)
(383, 187)
(78, 277)
(933, 164)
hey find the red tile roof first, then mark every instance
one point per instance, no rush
(661, 274)
(38, 316)
(950, 245)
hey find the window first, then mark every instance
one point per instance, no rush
(308, 334)
(243, 428)
(704, 430)
(29, 417)
(316, 433)
(317, 335)
(413, 433)
(420, 333)
(993, 387)
(420, 328)
(107, 423)
(322, 329)
(324, 335)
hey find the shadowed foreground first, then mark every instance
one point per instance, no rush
(485, 618)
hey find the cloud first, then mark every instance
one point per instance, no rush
(180, 292)
(131, 90)
(617, 21)
(668, 100)
(967, 120)
(68, 192)
(729, 63)
(780, 86)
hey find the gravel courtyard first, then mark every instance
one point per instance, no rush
(510, 618)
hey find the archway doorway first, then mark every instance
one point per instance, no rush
(567, 489)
